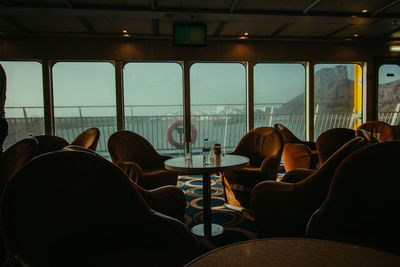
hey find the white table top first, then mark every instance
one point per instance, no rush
(290, 252)
(196, 165)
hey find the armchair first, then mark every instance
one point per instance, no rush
(89, 138)
(49, 143)
(363, 201)
(331, 140)
(263, 146)
(169, 200)
(382, 131)
(297, 153)
(282, 209)
(139, 160)
(84, 211)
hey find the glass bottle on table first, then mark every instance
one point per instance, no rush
(206, 151)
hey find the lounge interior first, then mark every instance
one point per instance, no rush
(101, 95)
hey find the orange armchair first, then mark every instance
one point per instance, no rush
(139, 160)
(331, 140)
(382, 131)
(297, 153)
(363, 201)
(89, 138)
(84, 211)
(282, 209)
(263, 146)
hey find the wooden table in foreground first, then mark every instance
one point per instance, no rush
(295, 252)
(196, 166)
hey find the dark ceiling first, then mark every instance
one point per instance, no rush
(225, 19)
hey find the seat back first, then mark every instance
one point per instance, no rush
(88, 138)
(379, 129)
(363, 201)
(331, 140)
(68, 207)
(288, 136)
(14, 158)
(130, 146)
(50, 143)
(260, 143)
(367, 136)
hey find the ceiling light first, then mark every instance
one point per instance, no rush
(246, 33)
(395, 48)
(124, 31)
(355, 35)
(243, 37)
(364, 11)
(127, 35)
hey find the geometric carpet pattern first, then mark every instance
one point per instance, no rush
(238, 225)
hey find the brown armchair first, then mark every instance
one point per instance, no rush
(11, 160)
(89, 138)
(282, 209)
(169, 200)
(363, 200)
(382, 131)
(50, 143)
(139, 160)
(297, 153)
(331, 140)
(84, 211)
(263, 146)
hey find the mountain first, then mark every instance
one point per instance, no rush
(333, 89)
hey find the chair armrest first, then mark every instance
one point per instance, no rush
(168, 200)
(132, 170)
(296, 175)
(164, 157)
(270, 166)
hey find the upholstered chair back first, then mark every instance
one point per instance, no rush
(260, 143)
(331, 140)
(379, 129)
(13, 158)
(288, 136)
(130, 146)
(89, 138)
(50, 143)
(363, 201)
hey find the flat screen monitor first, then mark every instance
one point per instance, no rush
(189, 35)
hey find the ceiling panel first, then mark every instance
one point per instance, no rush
(51, 24)
(365, 31)
(282, 5)
(310, 30)
(6, 26)
(170, 3)
(395, 9)
(207, 4)
(36, 2)
(345, 6)
(236, 28)
(143, 26)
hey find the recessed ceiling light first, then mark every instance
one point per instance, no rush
(124, 31)
(364, 11)
(355, 35)
(246, 33)
(395, 48)
(243, 37)
(127, 35)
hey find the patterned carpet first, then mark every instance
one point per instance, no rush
(238, 226)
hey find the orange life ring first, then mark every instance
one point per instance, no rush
(173, 127)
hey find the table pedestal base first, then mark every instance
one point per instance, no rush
(216, 229)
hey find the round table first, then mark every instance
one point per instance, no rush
(196, 166)
(295, 252)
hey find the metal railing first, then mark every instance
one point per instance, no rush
(226, 126)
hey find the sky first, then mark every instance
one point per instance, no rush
(148, 84)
